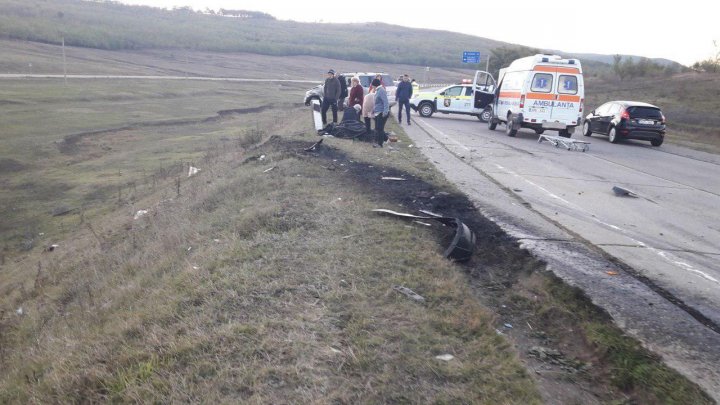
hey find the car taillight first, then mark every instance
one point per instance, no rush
(582, 102)
(522, 101)
(625, 115)
(662, 118)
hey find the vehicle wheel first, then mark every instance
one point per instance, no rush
(492, 123)
(656, 142)
(539, 131)
(425, 110)
(510, 129)
(565, 133)
(486, 115)
(612, 136)
(586, 129)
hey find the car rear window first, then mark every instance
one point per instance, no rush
(542, 82)
(387, 80)
(644, 112)
(567, 84)
(365, 80)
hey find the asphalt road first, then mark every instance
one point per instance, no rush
(653, 261)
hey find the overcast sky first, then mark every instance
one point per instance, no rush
(681, 30)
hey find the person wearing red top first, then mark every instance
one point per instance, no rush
(356, 93)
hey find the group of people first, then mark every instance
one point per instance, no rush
(371, 106)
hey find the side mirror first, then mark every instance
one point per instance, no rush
(592, 112)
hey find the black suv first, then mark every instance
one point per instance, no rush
(627, 120)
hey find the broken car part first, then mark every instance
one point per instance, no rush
(463, 243)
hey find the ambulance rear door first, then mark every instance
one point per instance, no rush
(538, 103)
(568, 91)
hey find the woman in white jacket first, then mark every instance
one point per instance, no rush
(368, 107)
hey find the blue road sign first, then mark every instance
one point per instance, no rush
(471, 57)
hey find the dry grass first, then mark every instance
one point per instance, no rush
(264, 287)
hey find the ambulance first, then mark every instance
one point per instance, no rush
(541, 92)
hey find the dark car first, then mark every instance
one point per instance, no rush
(627, 120)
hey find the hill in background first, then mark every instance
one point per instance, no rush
(114, 26)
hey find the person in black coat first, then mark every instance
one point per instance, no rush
(343, 92)
(403, 94)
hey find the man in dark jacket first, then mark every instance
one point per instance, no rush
(343, 92)
(331, 94)
(402, 96)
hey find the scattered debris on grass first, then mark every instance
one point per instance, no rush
(314, 146)
(463, 244)
(270, 169)
(139, 214)
(62, 210)
(52, 247)
(445, 357)
(556, 357)
(393, 178)
(409, 293)
(192, 171)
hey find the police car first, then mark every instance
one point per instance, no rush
(472, 98)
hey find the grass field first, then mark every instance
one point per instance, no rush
(245, 286)
(72, 147)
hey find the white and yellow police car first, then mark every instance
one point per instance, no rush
(474, 98)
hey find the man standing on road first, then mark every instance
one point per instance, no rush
(402, 96)
(331, 94)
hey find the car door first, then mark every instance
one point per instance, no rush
(607, 117)
(567, 90)
(446, 98)
(595, 120)
(464, 102)
(483, 89)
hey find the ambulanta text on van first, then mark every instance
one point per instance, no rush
(541, 92)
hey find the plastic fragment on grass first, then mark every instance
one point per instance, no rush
(409, 293)
(192, 170)
(393, 178)
(139, 214)
(462, 245)
(314, 146)
(445, 357)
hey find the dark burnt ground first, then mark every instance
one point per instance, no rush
(570, 346)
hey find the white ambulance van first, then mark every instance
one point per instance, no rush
(541, 92)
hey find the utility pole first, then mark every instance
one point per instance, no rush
(64, 61)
